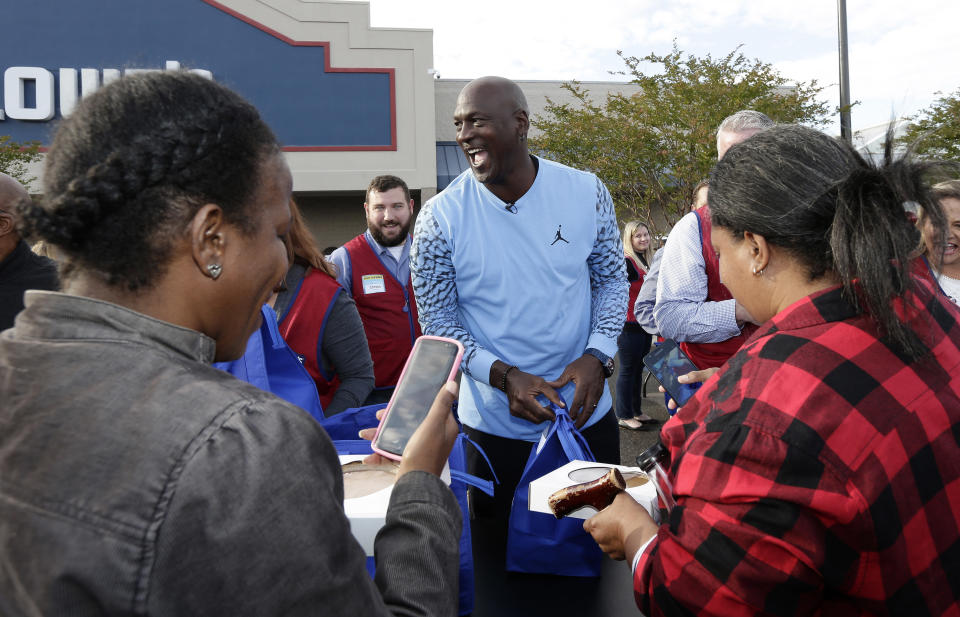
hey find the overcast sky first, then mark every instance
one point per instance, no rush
(901, 51)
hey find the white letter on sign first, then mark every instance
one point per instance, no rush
(89, 81)
(68, 91)
(14, 79)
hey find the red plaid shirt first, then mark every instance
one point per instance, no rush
(816, 473)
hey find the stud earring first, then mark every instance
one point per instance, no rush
(214, 270)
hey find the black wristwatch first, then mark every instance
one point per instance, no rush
(605, 360)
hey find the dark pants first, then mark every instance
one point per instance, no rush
(632, 345)
(509, 457)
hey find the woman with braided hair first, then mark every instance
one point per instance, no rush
(134, 477)
(818, 471)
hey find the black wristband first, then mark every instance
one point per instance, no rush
(503, 380)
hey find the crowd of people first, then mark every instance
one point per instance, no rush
(816, 471)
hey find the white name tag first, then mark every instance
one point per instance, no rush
(373, 284)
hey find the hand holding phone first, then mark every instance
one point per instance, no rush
(432, 362)
(430, 445)
(667, 362)
(696, 377)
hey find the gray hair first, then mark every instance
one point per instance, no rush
(745, 120)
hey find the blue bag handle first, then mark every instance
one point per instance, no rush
(571, 440)
(352, 446)
(348, 422)
(484, 485)
(252, 365)
(270, 319)
(269, 364)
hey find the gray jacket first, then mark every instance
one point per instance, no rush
(135, 479)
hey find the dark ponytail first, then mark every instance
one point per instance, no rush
(129, 168)
(837, 213)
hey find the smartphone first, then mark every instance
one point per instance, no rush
(432, 362)
(666, 362)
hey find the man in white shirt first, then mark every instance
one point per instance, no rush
(693, 306)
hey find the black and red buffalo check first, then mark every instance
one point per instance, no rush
(817, 473)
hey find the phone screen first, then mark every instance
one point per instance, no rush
(431, 364)
(667, 362)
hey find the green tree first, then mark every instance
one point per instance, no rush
(14, 158)
(651, 148)
(936, 129)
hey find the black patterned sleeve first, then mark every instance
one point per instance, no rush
(608, 278)
(435, 289)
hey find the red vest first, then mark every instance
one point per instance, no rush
(387, 309)
(706, 355)
(303, 326)
(634, 290)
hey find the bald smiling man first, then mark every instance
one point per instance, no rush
(520, 259)
(20, 268)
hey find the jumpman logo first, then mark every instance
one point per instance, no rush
(559, 236)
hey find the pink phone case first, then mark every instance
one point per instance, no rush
(403, 375)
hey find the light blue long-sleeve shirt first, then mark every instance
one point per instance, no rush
(533, 288)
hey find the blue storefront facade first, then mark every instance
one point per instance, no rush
(347, 101)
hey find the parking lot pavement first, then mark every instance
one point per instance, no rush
(632, 443)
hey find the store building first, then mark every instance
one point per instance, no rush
(348, 101)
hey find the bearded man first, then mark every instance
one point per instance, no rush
(374, 268)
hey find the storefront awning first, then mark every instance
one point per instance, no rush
(451, 162)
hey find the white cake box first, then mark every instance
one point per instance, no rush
(577, 472)
(367, 513)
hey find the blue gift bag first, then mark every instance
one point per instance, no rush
(343, 429)
(269, 364)
(459, 480)
(347, 424)
(539, 543)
